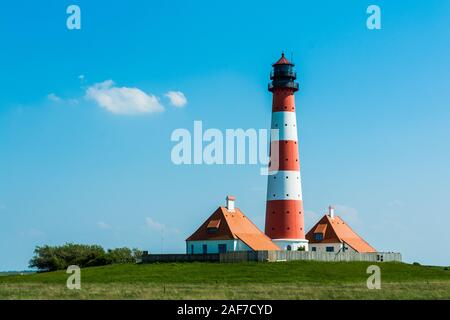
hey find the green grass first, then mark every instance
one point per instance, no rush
(282, 280)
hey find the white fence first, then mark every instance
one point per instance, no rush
(272, 256)
(316, 256)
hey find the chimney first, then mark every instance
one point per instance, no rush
(230, 203)
(331, 212)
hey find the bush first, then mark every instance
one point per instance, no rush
(48, 258)
(122, 255)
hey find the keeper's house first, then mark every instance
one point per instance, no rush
(332, 234)
(226, 230)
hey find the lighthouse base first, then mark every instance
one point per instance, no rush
(292, 244)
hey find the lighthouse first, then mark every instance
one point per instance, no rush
(284, 207)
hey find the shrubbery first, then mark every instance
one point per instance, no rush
(51, 258)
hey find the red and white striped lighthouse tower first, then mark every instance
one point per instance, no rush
(284, 208)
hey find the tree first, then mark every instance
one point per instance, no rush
(51, 258)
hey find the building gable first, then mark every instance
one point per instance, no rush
(336, 230)
(226, 225)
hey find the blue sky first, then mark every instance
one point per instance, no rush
(373, 114)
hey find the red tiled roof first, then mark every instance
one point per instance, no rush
(321, 228)
(234, 225)
(338, 231)
(213, 224)
(282, 60)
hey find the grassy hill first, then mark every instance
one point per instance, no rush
(282, 280)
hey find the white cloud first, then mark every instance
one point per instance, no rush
(57, 99)
(154, 225)
(123, 100)
(103, 225)
(311, 218)
(395, 203)
(349, 214)
(33, 233)
(177, 98)
(81, 77)
(54, 98)
(159, 227)
(73, 101)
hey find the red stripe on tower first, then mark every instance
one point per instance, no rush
(284, 209)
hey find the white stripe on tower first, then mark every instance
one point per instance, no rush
(286, 124)
(284, 185)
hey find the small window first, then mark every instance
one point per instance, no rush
(205, 249)
(213, 226)
(192, 249)
(211, 230)
(330, 249)
(222, 248)
(289, 248)
(313, 249)
(318, 236)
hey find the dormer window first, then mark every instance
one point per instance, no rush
(213, 226)
(319, 232)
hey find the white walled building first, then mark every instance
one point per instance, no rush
(226, 230)
(332, 234)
